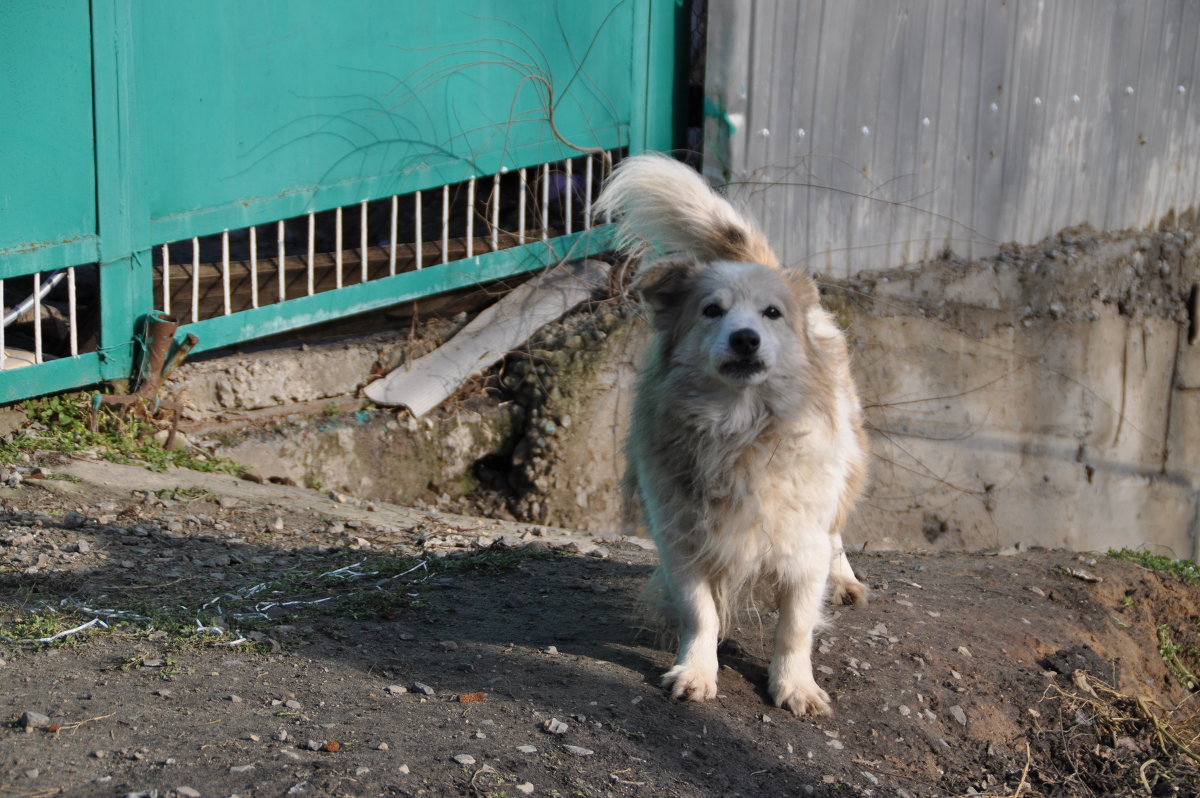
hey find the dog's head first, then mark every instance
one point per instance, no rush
(738, 323)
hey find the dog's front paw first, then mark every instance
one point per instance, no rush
(851, 591)
(689, 683)
(800, 698)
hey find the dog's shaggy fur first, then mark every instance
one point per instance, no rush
(746, 451)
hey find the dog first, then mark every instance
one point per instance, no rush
(746, 450)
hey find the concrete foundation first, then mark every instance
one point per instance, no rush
(1047, 396)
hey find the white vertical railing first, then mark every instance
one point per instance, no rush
(419, 233)
(471, 217)
(281, 259)
(195, 279)
(362, 241)
(225, 272)
(166, 281)
(566, 198)
(545, 209)
(253, 267)
(445, 224)
(72, 315)
(551, 189)
(337, 251)
(394, 235)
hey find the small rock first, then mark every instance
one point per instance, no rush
(578, 750)
(448, 645)
(551, 650)
(526, 788)
(404, 771)
(32, 773)
(423, 688)
(234, 699)
(99, 754)
(292, 703)
(527, 749)
(34, 720)
(163, 693)
(959, 714)
(154, 662)
(555, 726)
(362, 771)
(464, 759)
(187, 792)
(395, 689)
(382, 747)
(313, 745)
(964, 651)
(241, 768)
(281, 735)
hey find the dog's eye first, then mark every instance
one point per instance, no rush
(713, 311)
(773, 312)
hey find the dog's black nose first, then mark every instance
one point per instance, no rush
(744, 342)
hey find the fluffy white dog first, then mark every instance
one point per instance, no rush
(746, 451)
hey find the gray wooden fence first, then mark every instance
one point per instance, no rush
(867, 134)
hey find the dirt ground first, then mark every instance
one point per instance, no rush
(425, 654)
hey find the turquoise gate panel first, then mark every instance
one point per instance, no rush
(259, 110)
(138, 124)
(47, 158)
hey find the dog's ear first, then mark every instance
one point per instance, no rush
(663, 287)
(804, 288)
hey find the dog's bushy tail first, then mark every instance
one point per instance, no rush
(664, 211)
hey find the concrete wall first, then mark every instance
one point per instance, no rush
(1032, 401)
(867, 135)
(1047, 396)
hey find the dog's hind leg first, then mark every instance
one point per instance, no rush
(791, 681)
(694, 676)
(846, 587)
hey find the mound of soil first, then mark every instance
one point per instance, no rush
(275, 643)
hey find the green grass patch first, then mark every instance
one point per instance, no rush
(63, 423)
(1186, 570)
(1171, 655)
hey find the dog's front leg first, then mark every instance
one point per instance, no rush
(791, 678)
(846, 587)
(694, 676)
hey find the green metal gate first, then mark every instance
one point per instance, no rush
(143, 140)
